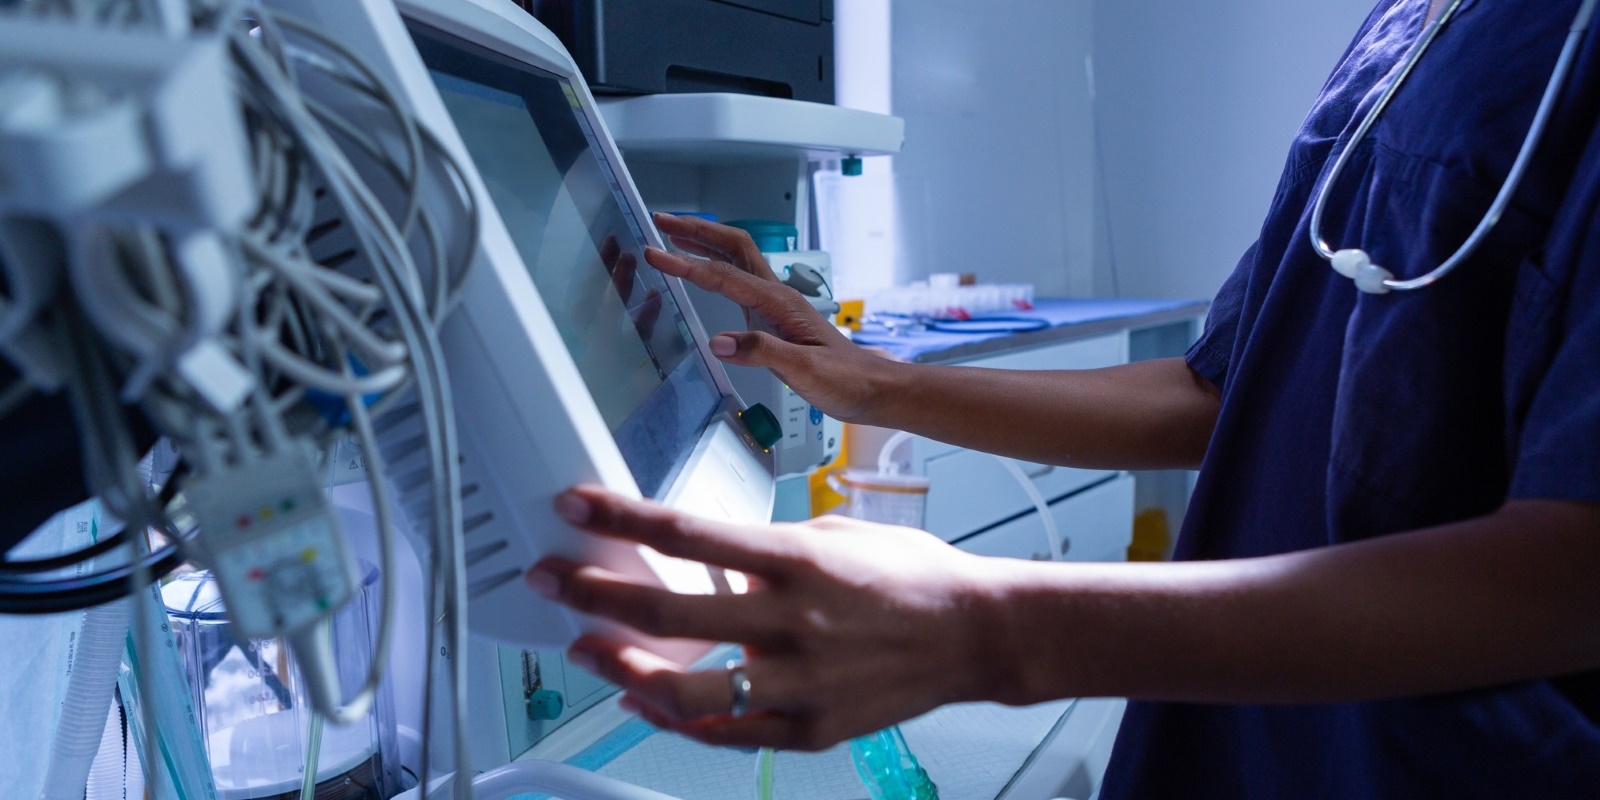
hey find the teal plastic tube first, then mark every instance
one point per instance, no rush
(890, 771)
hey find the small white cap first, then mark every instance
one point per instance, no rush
(1350, 262)
(1371, 279)
(216, 375)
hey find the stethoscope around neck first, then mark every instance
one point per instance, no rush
(1357, 264)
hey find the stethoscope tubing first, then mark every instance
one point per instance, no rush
(1541, 121)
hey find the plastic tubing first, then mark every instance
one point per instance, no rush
(561, 780)
(106, 778)
(888, 466)
(88, 699)
(1045, 517)
(886, 463)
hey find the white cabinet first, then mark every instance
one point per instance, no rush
(971, 491)
(1095, 525)
(738, 156)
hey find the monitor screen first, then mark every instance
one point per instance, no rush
(584, 247)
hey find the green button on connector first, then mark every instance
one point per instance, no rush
(763, 425)
(545, 706)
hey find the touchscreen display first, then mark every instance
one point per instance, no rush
(584, 247)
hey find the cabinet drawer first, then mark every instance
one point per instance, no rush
(1023, 538)
(1092, 353)
(1095, 525)
(969, 491)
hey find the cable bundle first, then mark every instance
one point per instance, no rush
(261, 263)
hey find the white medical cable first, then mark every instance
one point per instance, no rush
(445, 302)
(316, 290)
(315, 647)
(434, 399)
(886, 463)
(338, 168)
(325, 318)
(537, 776)
(376, 90)
(1045, 517)
(446, 288)
(315, 376)
(408, 123)
(343, 285)
(1357, 264)
(384, 246)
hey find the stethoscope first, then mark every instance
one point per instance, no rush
(1357, 264)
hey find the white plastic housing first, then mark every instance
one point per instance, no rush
(529, 427)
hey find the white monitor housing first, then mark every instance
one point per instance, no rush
(571, 359)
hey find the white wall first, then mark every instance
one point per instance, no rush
(1196, 105)
(996, 177)
(859, 219)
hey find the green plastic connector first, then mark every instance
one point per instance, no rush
(763, 425)
(852, 167)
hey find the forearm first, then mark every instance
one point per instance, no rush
(1508, 597)
(1149, 415)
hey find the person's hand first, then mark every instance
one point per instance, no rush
(849, 627)
(787, 335)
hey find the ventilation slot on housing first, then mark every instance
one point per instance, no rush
(479, 555)
(484, 586)
(476, 521)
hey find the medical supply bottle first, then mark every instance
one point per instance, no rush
(256, 713)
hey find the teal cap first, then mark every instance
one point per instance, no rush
(763, 425)
(545, 705)
(771, 236)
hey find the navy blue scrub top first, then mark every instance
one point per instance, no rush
(1348, 416)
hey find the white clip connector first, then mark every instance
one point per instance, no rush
(123, 125)
(1350, 262)
(1357, 266)
(1374, 279)
(65, 157)
(216, 375)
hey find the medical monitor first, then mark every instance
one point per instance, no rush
(571, 359)
(569, 218)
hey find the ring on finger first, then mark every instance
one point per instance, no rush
(739, 682)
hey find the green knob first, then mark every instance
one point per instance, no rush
(763, 425)
(545, 706)
(851, 167)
